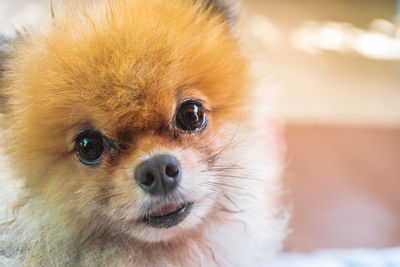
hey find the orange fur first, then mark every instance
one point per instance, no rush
(122, 67)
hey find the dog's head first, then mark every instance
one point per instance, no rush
(123, 113)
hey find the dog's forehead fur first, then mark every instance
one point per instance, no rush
(130, 62)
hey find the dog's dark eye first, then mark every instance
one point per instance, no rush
(89, 147)
(191, 116)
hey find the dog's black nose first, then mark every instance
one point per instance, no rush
(158, 175)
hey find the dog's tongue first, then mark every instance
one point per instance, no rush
(165, 210)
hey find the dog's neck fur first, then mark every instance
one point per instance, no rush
(35, 239)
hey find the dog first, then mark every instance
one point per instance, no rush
(138, 137)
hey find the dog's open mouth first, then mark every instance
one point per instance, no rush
(168, 216)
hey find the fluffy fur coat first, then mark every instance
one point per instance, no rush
(122, 67)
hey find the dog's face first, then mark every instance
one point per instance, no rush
(120, 116)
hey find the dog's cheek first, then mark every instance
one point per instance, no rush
(109, 194)
(85, 192)
(194, 176)
(124, 196)
(198, 161)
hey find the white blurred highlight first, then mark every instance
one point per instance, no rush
(16, 18)
(378, 42)
(265, 31)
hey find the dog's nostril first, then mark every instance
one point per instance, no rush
(148, 180)
(172, 170)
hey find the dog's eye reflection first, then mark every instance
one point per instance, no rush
(191, 116)
(89, 147)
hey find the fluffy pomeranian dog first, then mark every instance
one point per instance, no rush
(134, 129)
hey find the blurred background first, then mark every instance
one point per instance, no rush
(336, 64)
(337, 67)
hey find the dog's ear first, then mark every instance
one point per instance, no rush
(4, 53)
(5, 50)
(229, 8)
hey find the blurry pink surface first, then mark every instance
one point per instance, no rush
(343, 186)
